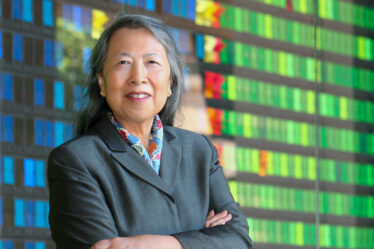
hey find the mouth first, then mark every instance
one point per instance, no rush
(138, 96)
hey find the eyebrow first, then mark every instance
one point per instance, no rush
(129, 54)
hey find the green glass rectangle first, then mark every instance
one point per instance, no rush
(231, 15)
(238, 12)
(283, 97)
(238, 54)
(369, 175)
(260, 24)
(246, 56)
(239, 125)
(276, 159)
(253, 18)
(240, 158)
(224, 17)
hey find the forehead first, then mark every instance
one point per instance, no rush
(140, 39)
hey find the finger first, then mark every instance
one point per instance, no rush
(102, 244)
(219, 218)
(209, 217)
(210, 214)
(222, 221)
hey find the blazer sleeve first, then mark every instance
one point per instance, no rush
(79, 216)
(233, 234)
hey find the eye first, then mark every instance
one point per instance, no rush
(124, 62)
(153, 62)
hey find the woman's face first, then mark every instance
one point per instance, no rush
(136, 76)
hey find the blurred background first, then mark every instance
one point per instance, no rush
(284, 89)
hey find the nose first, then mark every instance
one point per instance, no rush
(138, 74)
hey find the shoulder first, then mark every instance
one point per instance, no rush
(78, 148)
(190, 139)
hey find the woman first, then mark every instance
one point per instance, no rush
(130, 179)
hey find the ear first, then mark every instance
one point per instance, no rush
(171, 81)
(100, 81)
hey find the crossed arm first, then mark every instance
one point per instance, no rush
(158, 241)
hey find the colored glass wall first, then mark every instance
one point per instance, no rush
(289, 103)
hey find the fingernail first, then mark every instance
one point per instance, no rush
(103, 244)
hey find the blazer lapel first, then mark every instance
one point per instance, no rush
(170, 159)
(128, 158)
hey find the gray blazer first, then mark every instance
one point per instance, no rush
(101, 188)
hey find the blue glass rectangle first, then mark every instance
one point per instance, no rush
(1, 170)
(29, 172)
(68, 132)
(8, 244)
(30, 214)
(40, 245)
(8, 170)
(175, 7)
(86, 58)
(184, 39)
(27, 10)
(59, 95)
(29, 245)
(19, 213)
(8, 87)
(46, 213)
(8, 129)
(59, 133)
(17, 9)
(1, 44)
(77, 97)
(48, 133)
(183, 8)
(77, 17)
(67, 12)
(167, 6)
(39, 132)
(39, 214)
(17, 47)
(132, 2)
(86, 20)
(150, 5)
(200, 46)
(59, 54)
(38, 92)
(48, 13)
(141, 4)
(191, 6)
(1, 128)
(40, 174)
(49, 53)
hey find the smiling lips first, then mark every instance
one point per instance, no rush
(138, 96)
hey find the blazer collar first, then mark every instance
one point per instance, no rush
(131, 160)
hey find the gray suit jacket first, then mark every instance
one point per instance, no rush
(101, 188)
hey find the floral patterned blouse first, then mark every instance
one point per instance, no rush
(153, 158)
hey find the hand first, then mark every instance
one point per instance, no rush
(213, 220)
(117, 243)
(139, 242)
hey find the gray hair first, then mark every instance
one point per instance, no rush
(95, 105)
